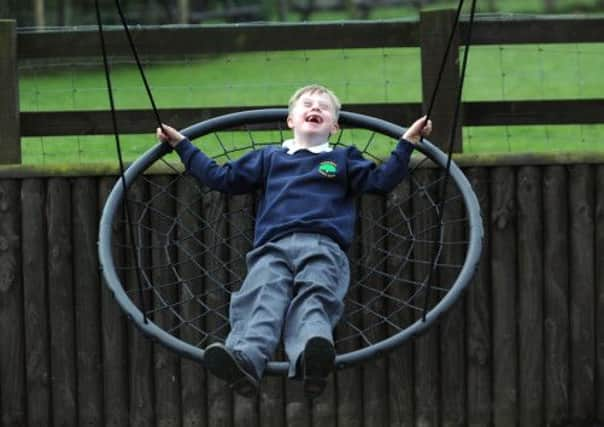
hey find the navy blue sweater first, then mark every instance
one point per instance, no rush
(302, 192)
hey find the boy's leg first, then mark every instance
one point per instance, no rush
(320, 285)
(257, 310)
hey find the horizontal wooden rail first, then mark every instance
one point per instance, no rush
(278, 37)
(221, 39)
(470, 160)
(560, 112)
(536, 30)
(485, 113)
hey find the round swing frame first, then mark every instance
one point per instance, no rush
(254, 117)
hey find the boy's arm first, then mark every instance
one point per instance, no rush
(241, 176)
(366, 176)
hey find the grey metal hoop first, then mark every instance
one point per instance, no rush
(457, 275)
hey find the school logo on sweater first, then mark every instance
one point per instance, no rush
(328, 169)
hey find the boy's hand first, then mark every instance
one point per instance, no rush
(169, 135)
(420, 128)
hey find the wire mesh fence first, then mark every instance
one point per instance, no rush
(512, 72)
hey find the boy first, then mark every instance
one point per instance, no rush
(298, 270)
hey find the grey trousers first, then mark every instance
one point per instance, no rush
(295, 287)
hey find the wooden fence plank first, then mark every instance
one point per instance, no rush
(272, 402)
(503, 270)
(536, 29)
(12, 358)
(219, 395)
(10, 144)
(476, 113)
(400, 361)
(324, 407)
(114, 346)
(556, 290)
(220, 39)
(530, 296)
(478, 317)
(60, 302)
(499, 113)
(349, 383)
(426, 357)
(142, 408)
(453, 326)
(192, 374)
(166, 363)
(598, 256)
(137, 121)
(87, 289)
(241, 237)
(375, 371)
(35, 291)
(582, 293)
(298, 409)
(436, 28)
(292, 36)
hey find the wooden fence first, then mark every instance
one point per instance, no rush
(524, 348)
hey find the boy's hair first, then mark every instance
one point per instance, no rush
(315, 88)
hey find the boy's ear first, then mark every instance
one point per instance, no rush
(290, 122)
(334, 128)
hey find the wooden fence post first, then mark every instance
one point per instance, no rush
(10, 148)
(435, 30)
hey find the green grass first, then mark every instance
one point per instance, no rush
(520, 72)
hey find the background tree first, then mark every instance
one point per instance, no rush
(549, 6)
(283, 10)
(184, 11)
(39, 13)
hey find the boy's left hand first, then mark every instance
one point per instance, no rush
(420, 128)
(169, 135)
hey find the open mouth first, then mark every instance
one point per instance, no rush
(314, 118)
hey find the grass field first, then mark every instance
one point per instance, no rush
(359, 75)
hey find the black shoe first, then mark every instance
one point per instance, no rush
(225, 365)
(317, 362)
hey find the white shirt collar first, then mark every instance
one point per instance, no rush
(290, 144)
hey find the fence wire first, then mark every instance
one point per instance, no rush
(385, 75)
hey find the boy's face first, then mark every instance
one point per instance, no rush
(313, 114)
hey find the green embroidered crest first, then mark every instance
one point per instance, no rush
(328, 169)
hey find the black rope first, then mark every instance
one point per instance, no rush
(445, 181)
(120, 157)
(139, 65)
(443, 62)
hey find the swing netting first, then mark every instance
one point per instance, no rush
(173, 251)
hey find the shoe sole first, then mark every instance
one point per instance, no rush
(221, 363)
(319, 356)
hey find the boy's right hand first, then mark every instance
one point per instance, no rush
(169, 135)
(420, 128)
